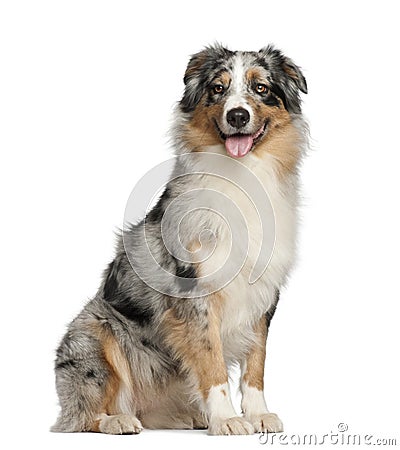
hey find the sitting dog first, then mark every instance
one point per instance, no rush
(186, 296)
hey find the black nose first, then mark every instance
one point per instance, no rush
(238, 117)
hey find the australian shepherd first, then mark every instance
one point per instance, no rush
(191, 293)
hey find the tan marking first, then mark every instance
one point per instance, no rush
(290, 72)
(223, 78)
(255, 74)
(96, 426)
(195, 249)
(201, 131)
(194, 246)
(199, 348)
(223, 392)
(119, 373)
(254, 375)
(284, 145)
(282, 139)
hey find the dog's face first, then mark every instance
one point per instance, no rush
(238, 98)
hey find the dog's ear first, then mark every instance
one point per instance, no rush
(295, 74)
(195, 65)
(198, 72)
(193, 80)
(286, 74)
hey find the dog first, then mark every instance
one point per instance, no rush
(154, 346)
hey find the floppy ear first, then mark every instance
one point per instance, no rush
(193, 81)
(294, 72)
(286, 76)
(195, 64)
(198, 72)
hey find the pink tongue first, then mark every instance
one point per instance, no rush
(238, 146)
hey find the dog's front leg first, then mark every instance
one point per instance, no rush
(254, 406)
(195, 340)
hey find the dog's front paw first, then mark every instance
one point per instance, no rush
(233, 425)
(266, 423)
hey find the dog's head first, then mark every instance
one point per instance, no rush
(239, 98)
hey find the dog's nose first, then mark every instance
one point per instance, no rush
(238, 117)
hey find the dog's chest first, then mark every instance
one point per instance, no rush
(235, 256)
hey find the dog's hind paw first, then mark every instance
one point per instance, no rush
(119, 424)
(233, 425)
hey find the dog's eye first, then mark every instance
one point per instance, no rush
(218, 89)
(261, 88)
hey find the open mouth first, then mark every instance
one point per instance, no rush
(239, 144)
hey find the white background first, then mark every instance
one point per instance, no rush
(86, 92)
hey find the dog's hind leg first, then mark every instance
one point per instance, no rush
(80, 384)
(93, 383)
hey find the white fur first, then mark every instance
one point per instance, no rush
(245, 303)
(236, 98)
(222, 418)
(255, 409)
(253, 401)
(218, 405)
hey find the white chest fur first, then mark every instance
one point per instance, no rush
(246, 302)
